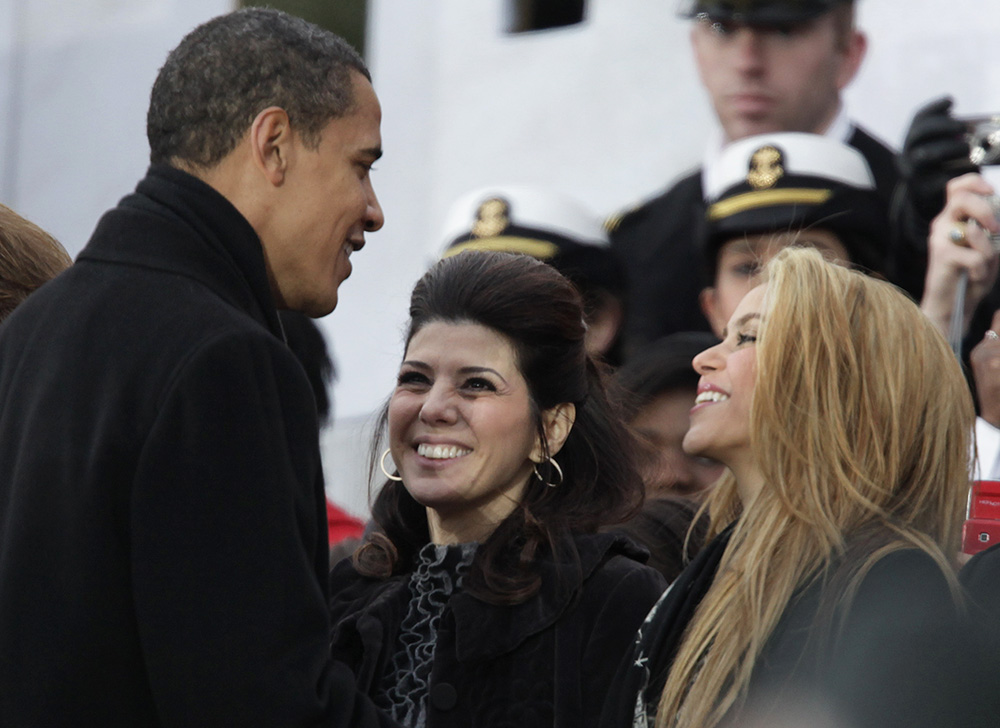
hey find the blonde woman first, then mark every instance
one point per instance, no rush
(845, 422)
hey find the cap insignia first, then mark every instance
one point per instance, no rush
(492, 218)
(765, 168)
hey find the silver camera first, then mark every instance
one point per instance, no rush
(983, 136)
(982, 133)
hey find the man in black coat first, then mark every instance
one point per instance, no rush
(768, 66)
(163, 548)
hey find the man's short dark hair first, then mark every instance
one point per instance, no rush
(228, 70)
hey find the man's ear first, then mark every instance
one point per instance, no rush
(854, 54)
(557, 422)
(709, 301)
(271, 143)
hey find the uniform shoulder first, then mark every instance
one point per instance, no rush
(680, 191)
(879, 155)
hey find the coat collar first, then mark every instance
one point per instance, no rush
(483, 630)
(176, 223)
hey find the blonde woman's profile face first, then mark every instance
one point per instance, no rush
(720, 418)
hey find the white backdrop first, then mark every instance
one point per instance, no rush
(74, 86)
(608, 111)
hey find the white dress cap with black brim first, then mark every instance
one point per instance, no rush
(786, 181)
(543, 223)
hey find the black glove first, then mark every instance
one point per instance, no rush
(935, 151)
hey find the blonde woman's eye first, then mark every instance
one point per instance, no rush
(746, 339)
(411, 378)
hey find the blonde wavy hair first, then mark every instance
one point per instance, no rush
(861, 421)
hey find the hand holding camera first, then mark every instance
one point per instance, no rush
(962, 261)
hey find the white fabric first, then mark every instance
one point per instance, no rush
(987, 451)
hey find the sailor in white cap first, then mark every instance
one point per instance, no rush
(553, 227)
(770, 191)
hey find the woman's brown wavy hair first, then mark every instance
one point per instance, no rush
(541, 314)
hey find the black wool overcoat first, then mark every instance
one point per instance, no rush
(163, 553)
(544, 663)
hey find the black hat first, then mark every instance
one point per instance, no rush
(758, 12)
(790, 181)
(542, 223)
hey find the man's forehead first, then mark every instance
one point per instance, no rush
(758, 12)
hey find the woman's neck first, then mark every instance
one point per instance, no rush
(749, 481)
(445, 531)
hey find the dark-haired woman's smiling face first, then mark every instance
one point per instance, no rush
(461, 428)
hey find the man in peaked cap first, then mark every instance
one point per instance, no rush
(553, 227)
(768, 66)
(770, 191)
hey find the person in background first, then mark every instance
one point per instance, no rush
(985, 364)
(485, 595)
(960, 244)
(772, 66)
(830, 579)
(306, 341)
(960, 247)
(557, 229)
(771, 191)
(29, 257)
(163, 547)
(658, 387)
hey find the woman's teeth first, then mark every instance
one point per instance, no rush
(710, 396)
(441, 452)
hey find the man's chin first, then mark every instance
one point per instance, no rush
(316, 309)
(747, 125)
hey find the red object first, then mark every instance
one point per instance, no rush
(982, 529)
(341, 525)
(985, 500)
(978, 534)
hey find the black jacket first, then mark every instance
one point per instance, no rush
(163, 553)
(657, 244)
(894, 658)
(981, 579)
(544, 663)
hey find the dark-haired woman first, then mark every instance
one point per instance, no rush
(485, 596)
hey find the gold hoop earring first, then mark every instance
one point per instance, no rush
(552, 463)
(381, 465)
